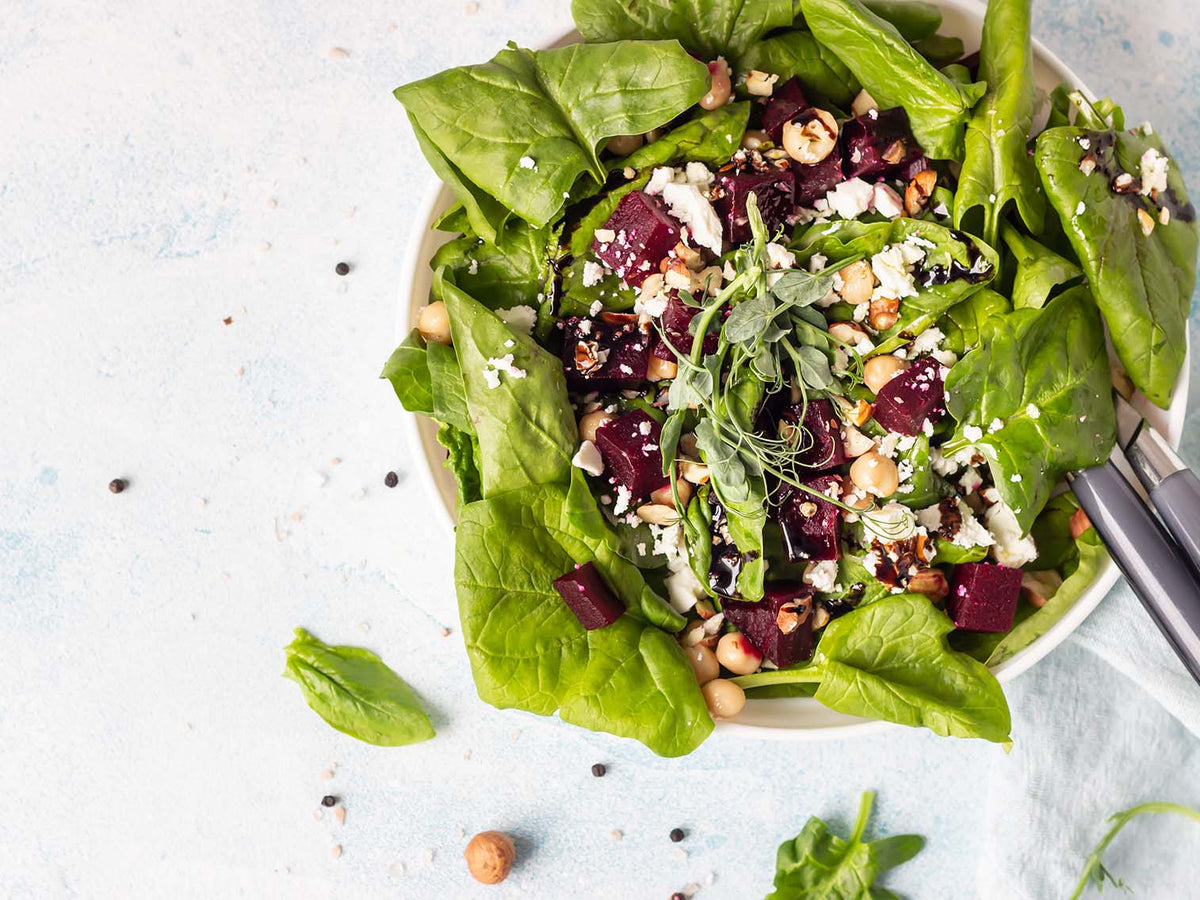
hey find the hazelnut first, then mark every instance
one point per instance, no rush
(760, 84)
(810, 142)
(490, 856)
(847, 333)
(884, 313)
(863, 104)
(930, 582)
(918, 192)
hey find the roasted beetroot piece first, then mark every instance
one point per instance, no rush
(585, 592)
(675, 321)
(784, 104)
(606, 353)
(642, 233)
(911, 170)
(814, 182)
(780, 625)
(632, 459)
(811, 526)
(772, 181)
(913, 397)
(878, 143)
(822, 438)
(983, 597)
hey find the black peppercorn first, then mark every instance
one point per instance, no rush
(678, 895)
(117, 485)
(391, 479)
(328, 800)
(677, 835)
(599, 770)
(342, 268)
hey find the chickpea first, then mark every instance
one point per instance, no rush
(663, 494)
(433, 323)
(808, 143)
(858, 282)
(735, 653)
(623, 144)
(720, 87)
(847, 332)
(761, 84)
(879, 370)
(661, 369)
(703, 662)
(592, 421)
(753, 139)
(874, 473)
(724, 698)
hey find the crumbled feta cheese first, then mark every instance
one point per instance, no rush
(1081, 208)
(1015, 478)
(494, 366)
(817, 262)
(473, 268)
(593, 273)
(683, 588)
(588, 458)
(688, 205)
(970, 480)
(928, 340)
(526, 162)
(941, 210)
(1154, 172)
(891, 266)
(659, 179)
(851, 198)
(822, 575)
(779, 257)
(1010, 548)
(887, 202)
(861, 311)
(927, 428)
(1085, 143)
(1032, 411)
(623, 499)
(972, 432)
(995, 426)
(645, 428)
(520, 319)
(697, 173)
(886, 445)
(595, 308)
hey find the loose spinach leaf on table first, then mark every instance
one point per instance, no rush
(844, 240)
(355, 692)
(895, 74)
(528, 650)
(510, 272)
(1044, 374)
(798, 54)
(997, 169)
(963, 322)
(891, 660)
(709, 28)
(517, 133)
(1039, 270)
(408, 371)
(818, 865)
(526, 429)
(1142, 282)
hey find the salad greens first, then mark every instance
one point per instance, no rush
(764, 386)
(352, 690)
(818, 865)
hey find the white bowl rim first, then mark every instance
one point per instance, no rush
(419, 435)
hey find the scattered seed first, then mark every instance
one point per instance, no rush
(615, 834)
(117, 485)
(396, 870)
(339, 815)
(339, 53)
(677, 835)
(318, 814)
(335, 851)
(680, 854)
(391, 479)
(228, 320)
(428, 856)
(327, 775)
(272, 203)
(599, 770)
(241, 370)
(472, 8)
(328, 800)
(335, 462)
(516, 734)
(678, 895)
(445, 631)
(342, 268)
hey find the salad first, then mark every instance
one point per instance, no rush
(761, 349)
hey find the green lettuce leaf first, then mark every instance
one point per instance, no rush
(1039, 270)
(408, 371)
(963, 322)
(798, 54)
(510, 272)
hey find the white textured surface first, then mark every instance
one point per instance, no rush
(167, 166)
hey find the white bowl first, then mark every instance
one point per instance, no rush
(798, 719)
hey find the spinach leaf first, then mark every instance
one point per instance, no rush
(890, 660)
(1142, 282)
(408, 371)
(797, 54)
(699, 536)
(709, 28)
(1039, 270)
(963, 322)
(577, 298)
(738, 481)
(449, 391)
(1094, 872)
(355, 692)
(843, 240)
(1052, 534)
(1043, 375)
(711, 138)
(510, 272)
(528, 650)
(895, 74)
(997, 169)
(527, 433)
(941, 50)
(951, 554)
(927, 487)
(515, 134)
(462, 459)
(818, 865)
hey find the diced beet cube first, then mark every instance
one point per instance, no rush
(814, 182)
(912, 169)
(643, 234)
(913, 397)
(822, 438)
(878, 143)
(780, 625)
(675, 321)
(983, 597)
(606, 353)
(772, 183)
(811, 526)
(629, 447)
(784, 104)
(585, 592)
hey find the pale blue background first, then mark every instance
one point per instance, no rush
(165, 166)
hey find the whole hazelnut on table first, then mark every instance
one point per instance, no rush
(490, 856)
